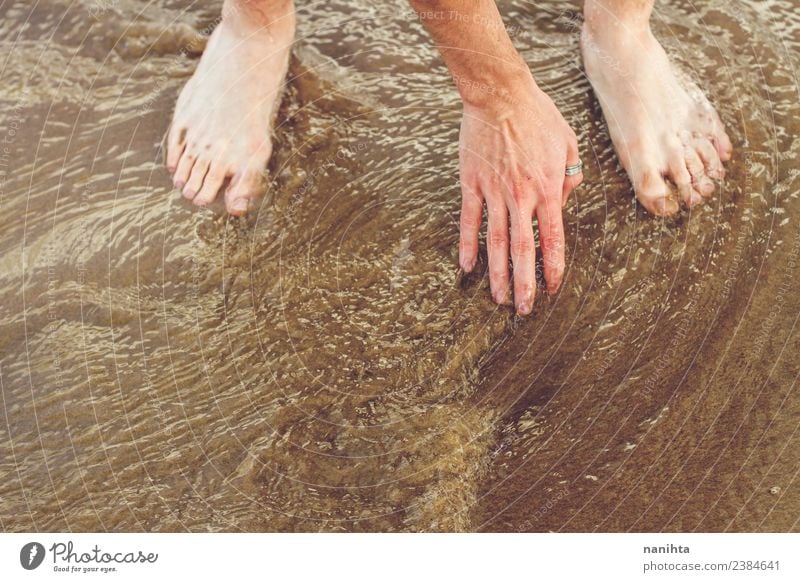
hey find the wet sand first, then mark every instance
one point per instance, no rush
(321, 365)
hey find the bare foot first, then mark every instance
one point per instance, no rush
(663, 128)
(223, 117)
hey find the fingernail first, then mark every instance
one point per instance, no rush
(695, 199)
(189, 193)
(501, 298)
(180, 184)
(468, 265)
(239, 205)
(524, 307)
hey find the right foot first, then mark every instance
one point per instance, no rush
(223, 117)
(662, 129)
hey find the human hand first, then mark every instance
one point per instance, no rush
(513, 155)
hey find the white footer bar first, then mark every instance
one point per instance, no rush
(389, 557)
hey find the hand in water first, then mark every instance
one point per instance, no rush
(513, 155)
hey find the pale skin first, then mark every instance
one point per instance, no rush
(514, 143)
(219, 140)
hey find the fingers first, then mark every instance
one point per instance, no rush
(551, 239)
(497, 247)
(570, 183)
(523, 257)
(471, 214)
(573, 159)
(516, 214)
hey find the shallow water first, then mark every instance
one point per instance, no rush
(321, 365)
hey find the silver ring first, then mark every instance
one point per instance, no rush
(575, 169)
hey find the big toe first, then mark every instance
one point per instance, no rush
(654, 194)
(245, 188)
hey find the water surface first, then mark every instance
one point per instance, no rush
(321, 365)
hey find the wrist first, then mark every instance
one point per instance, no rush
(496, 93)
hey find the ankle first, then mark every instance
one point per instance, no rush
(617, 20)
(615, 38)
(275, 16)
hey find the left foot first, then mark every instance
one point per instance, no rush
(662, 129)
(222, 123)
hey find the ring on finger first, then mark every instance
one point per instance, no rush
(574, 169)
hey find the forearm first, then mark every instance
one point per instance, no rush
(474, 44)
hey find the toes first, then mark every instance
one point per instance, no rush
(696, 197)
(654, 194)
(211, 184)
(697, 172)
(184, 170)
(705, 186)
(694, 164)
(176, 142)
(244, 189)
(680, 176)
(722, 143)
(710, 157)
(195, 181)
